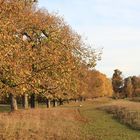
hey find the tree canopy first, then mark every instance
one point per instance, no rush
(41, 54)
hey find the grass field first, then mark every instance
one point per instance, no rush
(68, 122)
(125, 112)
(4, 108)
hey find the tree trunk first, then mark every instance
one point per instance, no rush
(13, 102)
(25, 101)
(54, 103)
(81, 99)
(61, 101)
(68, 101)
(76, 100)
(32, 100)
(48, 102)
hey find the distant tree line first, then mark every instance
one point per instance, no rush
(125, 87)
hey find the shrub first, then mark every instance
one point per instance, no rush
(124, 115)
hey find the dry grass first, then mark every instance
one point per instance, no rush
(125, 111)
(41, 124)
(127, 104)
(135, 99)
(72, 122)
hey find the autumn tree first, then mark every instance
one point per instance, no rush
(117, 82)
(21, 33)
(136, 85)
(40, 54)
(98, 85)
(128, 87)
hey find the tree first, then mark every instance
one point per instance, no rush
(117, 82)
(128, 87)
(17, 53)
(98, 85)
(40, 54)
(136, 85)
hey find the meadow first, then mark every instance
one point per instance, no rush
(75, 121)
(126, 112)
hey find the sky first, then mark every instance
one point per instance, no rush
(113, 25)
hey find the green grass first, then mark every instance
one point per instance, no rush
(4, 108)
(102, 126)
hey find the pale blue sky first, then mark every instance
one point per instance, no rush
(111, 24)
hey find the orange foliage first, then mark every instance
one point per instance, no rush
(99, 85)
(40, 53)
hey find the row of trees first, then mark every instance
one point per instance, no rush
(125, 87)
(40, 55)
